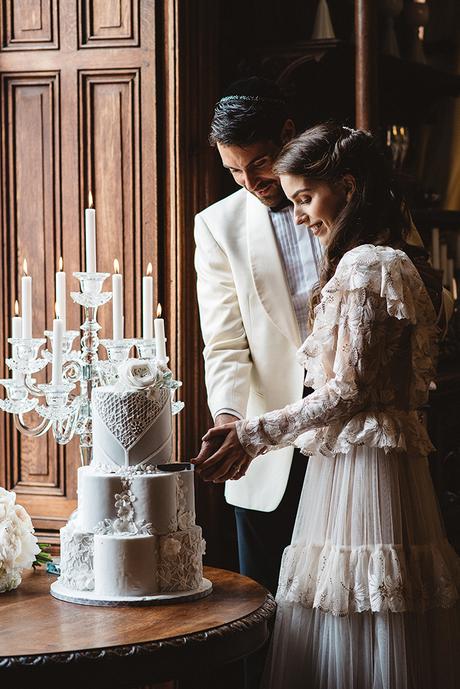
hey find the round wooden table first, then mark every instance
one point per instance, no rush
(45, 642)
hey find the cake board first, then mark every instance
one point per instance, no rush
(69, 595)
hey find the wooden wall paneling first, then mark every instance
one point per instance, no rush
(151, 137)
(29, 24)
(32, 165)
(110, 169)
(105, 24)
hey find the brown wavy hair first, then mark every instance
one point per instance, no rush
(376, 212)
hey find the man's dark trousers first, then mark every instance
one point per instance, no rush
(263, 536)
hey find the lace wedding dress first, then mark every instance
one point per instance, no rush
(369, 587)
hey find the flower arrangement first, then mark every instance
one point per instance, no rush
(18, 544)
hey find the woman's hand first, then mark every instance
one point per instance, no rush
(222, 456)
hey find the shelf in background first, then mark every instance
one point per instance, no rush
(322, 74)
(426, 218)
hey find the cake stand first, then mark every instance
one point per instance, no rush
(69, 595)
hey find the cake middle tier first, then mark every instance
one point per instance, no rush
(163, 499)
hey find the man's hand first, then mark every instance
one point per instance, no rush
(222, 456)
(209, 447)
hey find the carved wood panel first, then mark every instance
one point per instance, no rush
(31, 164)
(110, 169)
(29, 24)
(109, 23)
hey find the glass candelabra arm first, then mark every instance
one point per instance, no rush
(65, 429)
(31, 386)
(72, 371)
(29, 430)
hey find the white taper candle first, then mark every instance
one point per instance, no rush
(117, 302)
(147, 304)
(160, 339)
(90, 236)
(16, 332)
(61, 305)
(26, 303)
(58, 332)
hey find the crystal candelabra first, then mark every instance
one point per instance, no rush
(67, 408)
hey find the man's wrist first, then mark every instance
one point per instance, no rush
(224, 418)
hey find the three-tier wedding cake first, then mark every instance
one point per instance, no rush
(133, 537)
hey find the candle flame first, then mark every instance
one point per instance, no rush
(61, 264)
(159, 311)
(90, 200)
(149, 269)
(16, 308)
(24, 266)
(116, 266)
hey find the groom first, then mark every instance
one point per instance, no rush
(255, 270)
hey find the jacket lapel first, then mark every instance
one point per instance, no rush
(268, 270)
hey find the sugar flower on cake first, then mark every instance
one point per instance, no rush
(170, 547)
(139, 374)
(18, 544)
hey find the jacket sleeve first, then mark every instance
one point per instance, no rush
(226, 353)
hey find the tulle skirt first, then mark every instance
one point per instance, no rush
(369, 588)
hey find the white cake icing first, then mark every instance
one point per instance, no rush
(134, 531)
(125, 566)
(154, 497)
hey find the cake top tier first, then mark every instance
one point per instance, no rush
(132, 418)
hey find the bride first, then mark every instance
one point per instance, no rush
(369, 587)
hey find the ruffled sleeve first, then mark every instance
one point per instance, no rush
(350, 345)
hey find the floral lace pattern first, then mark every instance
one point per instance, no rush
(77, 548)
(344, 580)
(181, 563)
(370, 360)
(127, 415)
(185, 517)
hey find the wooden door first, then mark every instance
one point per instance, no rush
(78, 114)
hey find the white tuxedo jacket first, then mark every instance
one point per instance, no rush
(250, 331)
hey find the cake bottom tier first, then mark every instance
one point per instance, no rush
(131, 565)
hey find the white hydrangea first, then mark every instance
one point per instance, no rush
(18, 544)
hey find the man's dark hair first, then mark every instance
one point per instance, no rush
(250, 110)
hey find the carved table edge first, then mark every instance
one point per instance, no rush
(264, 613)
